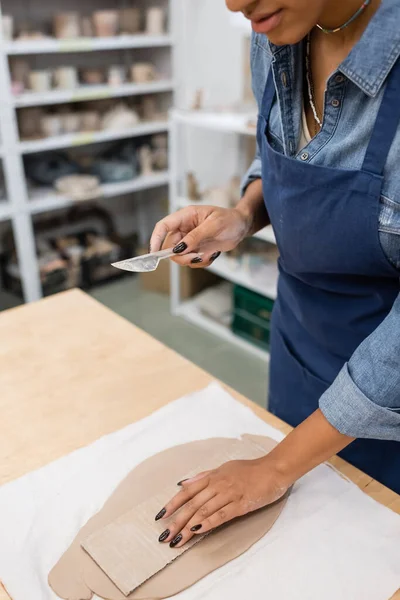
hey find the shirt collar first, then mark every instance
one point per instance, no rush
(372, 58)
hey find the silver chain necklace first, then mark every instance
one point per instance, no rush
(310, 84)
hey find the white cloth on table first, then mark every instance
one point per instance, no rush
(331, 541)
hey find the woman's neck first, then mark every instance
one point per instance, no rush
(337, 13)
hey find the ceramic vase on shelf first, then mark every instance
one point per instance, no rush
(71, 122)
(145, 160)
(87, 28)
(130, 20)
(66, 25)
(51, 125)
(7, 24)
(106, 23)
(20, 75)
(116, 75)
(120, 117)
(90, 120)
(92, 76)
(160, 151)
(40, 80)
(143, 72)
(155, 21)
(29, 120)
(149, 108)
(66, 78)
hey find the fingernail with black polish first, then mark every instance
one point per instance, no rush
(215, 256)
(176, 541)
(161, 514)
(180, 248)
(164, 535)
(180, 482)
(196, 528)
(197, 260)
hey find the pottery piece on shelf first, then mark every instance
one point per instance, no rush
(29, 123)
(79, 187)
(198, 100)
(116, 75)
(51, 125)
(20, 70)
(120, 117)
(90, 120)
(192, 187)
(155, 21)
(143, 72)
(113, 171)
(7, 25)
(149, 108)
(130, 20)
(92, 76)
(45, 169)
(106, 23)
(145, 160)
(217, 196)
(160, 151)
(66, 78)
(71, 122)
(87, 28)
(40, 80)
(234, 189)
(66, 25)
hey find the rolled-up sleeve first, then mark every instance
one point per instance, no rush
(364, 400)
(254, 171)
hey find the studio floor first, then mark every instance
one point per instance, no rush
(241, 370)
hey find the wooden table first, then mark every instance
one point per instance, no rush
(72, 371)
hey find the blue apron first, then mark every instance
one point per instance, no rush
(336, 285)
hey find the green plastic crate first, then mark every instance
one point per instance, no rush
(252, 329)
(252, 316)
(252, 303)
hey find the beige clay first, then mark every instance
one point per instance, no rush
(76, 576)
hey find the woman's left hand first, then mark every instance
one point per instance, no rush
(215, 497)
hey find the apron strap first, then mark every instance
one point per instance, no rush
(386, 125)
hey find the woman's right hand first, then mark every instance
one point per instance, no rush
(200, 233)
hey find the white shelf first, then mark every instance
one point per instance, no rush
(190, 311)
(267, 234)
(45, 199)
(229, 269)
(80, 139)
(91, 92)
(51, 45)
(227, 122)
(5, 210)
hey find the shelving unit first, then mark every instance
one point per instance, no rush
(52, 45)
(22, 203)
(85, 93)
(225, 267)
(43, 200)
(95, 137)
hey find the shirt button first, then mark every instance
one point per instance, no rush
(339, 78)
(284, 79)
(335, 103)
(304, 156)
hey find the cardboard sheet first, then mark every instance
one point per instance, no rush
(127, 549)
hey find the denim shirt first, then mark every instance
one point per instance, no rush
(364, 400)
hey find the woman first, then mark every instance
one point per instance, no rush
(326, 76)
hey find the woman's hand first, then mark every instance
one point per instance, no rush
(215, 497)
(200, 233)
